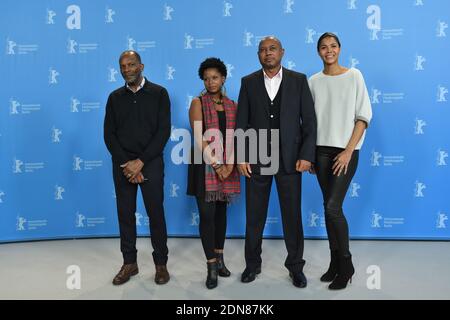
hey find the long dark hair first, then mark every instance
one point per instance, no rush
(328, 35)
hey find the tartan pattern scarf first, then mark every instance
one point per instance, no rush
(217, 190)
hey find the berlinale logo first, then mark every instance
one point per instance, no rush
(442, 94)
(375, 159)
(20, 224)
(351, 4)
(77, 161)
(74, 103)
(312, 220)
(375, 220)
(418, 64)
(442, 155)
(288, 6)
(112, 74)
(71, 44)
(354, 190)
(58, 192)
(79, 221)
(174, 190)
(375, 96)
(52, 74)
(248, 36)
(188, 39)
(167, 15)
(10, 45)
(227, 6)
(195, 218)
(418, 190)
(17, 165)
(169, 73)
(440, 33)
(109, 15)
(56, 135)
(50, 15)
(310, 33)
(13, 106)
(138, 216)
(418, 129)
(440, 221)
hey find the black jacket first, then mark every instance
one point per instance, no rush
(137, 125)
(298, 123)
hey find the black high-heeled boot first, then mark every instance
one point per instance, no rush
(346, 271)
(211, 280)
(333, 269)
(221, 268)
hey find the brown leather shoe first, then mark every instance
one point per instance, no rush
(127, 271)
(162, 275)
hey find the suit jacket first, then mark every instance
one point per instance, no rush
(297, 116)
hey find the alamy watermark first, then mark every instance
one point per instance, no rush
(249, 146)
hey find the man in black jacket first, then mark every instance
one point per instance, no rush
(279, 101)
(136, 129)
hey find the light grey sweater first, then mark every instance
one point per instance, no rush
(339, 102)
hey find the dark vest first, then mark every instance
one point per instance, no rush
(274, 115)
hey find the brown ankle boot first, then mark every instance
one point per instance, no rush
(162, 275)
(125, 273)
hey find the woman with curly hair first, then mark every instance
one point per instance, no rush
(214, 181)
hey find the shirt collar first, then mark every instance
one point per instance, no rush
(141, 85)
(279, 75)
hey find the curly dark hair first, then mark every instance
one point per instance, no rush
(212, 63)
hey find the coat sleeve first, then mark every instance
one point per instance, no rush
(308, 124)
(242, 120)
(363, 110)
(110, 134)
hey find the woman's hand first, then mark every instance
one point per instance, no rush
(224, 171)
(221, 171)
(341, 162)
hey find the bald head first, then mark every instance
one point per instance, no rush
(130, 54)
(273, 38)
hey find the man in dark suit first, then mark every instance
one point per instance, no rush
(277, 100)
(136, 129)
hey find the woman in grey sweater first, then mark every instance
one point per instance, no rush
(343, 113)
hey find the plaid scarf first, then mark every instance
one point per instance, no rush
(217, 190)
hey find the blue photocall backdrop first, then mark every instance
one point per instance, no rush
(60, 62)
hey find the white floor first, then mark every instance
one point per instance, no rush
(38, 270)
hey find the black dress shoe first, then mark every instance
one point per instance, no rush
(298, 279)
(258, 269)
(249, 275)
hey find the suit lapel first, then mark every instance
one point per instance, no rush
(261, 87)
